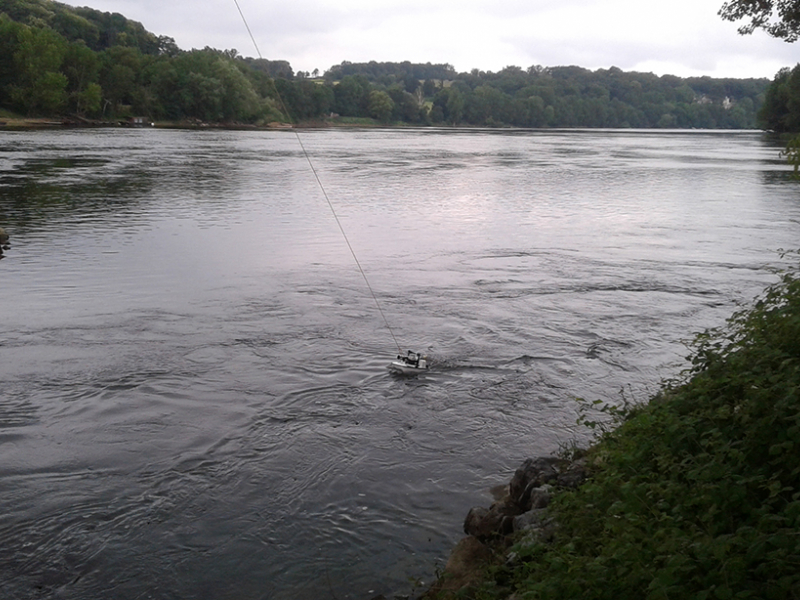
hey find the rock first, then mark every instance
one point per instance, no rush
(540, 497)
(574, 475)
(530, 489)
(499, 493)
(520, 507)
(476, 522)
(532, 474)
(543, 529)
(485, 524)
(536, 526)
(529, 520)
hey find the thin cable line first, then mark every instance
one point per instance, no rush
(239, 8)
(344, 235)
(322, 188)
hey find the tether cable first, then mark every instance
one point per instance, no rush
(321, 187)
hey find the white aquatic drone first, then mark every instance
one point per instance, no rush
(412, 363)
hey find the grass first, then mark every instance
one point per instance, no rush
(695, 494)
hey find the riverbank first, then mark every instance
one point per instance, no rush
(14, 122)
(695, 494)
(9, 121)
(25, 123)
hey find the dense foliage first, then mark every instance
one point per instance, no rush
(780, 113)
(781, 109)
(553, 97)
(696, 494)
(57, 60)
(577, 97)
(779, 18)
(390, 72)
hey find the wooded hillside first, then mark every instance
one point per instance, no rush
(56, 60)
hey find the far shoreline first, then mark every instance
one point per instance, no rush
(43, 123)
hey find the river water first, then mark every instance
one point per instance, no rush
(193, 394)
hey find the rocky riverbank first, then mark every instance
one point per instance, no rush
(520, 509)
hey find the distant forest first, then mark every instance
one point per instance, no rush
(58, 61)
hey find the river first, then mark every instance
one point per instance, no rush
(194, 401)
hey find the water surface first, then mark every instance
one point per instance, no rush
(194, 395)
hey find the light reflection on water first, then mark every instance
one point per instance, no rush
(195, 401)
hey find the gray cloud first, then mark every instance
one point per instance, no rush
(683, 37)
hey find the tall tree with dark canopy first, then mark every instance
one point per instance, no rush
(779, 18)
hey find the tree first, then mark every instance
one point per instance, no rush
(82, 66)
(75, 27)
(380, 105)
(9, 36)
(120, 67)
(410, 83)
(781, 109)
(40, 87)
(204, 97)
(533, 112)
(167, 45)
(455, 106)
(161, 90)
(779, 18)
(305, 99)
(487, 106)
(351, 95)
(406, 105)
(239, 100)
(88, 100)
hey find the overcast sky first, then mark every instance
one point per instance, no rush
(678, 37)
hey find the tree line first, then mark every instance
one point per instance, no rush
(781, 109)
(57, 60)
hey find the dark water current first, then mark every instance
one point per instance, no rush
(193, 394)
